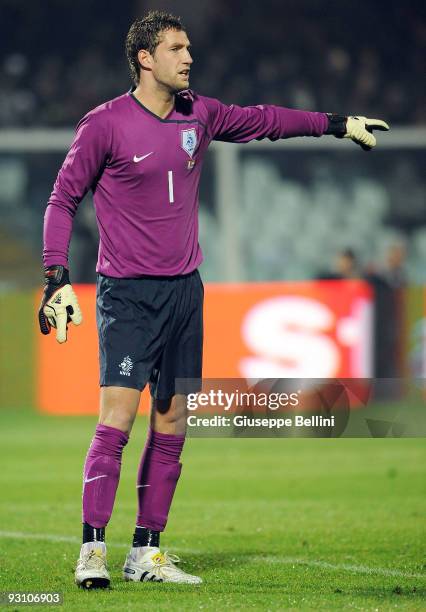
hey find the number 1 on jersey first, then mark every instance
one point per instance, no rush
(171, 195)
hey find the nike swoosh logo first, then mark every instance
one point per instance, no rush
(95, 478)
(141, 486)
(137, 159)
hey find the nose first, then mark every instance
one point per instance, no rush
(189, 59)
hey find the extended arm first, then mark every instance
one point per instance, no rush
(245, 123)
(242, 124)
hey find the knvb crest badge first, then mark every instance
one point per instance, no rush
(126, 366)
(189, 141)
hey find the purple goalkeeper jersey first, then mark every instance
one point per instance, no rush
(145, 173)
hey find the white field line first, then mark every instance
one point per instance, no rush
(356, 569)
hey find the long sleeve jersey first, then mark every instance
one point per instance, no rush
(144, 172)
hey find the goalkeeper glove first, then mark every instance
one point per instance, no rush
(59, 304)
(358, 129)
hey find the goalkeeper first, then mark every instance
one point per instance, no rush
(141, 154)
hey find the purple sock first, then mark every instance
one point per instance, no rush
(159, 471)
(101, 474)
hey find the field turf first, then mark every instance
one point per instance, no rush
(269, 524)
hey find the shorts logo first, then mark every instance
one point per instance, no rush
(126, 366)
(189, 141)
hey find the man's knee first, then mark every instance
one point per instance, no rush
(171, 409)
(169, 416)
(118, 407)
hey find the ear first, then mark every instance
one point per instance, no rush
(145, 59)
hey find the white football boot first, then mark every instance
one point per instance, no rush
(91, 571)
(147, 563)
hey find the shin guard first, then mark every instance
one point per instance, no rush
(159, 472)
(102, 474)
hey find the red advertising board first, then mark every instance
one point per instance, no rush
(313, 329)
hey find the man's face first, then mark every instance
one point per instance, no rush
(171, 62)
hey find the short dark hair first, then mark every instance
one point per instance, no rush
(144, 33)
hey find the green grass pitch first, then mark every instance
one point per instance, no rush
(269, 524)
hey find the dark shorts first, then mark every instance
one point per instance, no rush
(151, 330)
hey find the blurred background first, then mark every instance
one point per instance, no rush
(298, 210)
